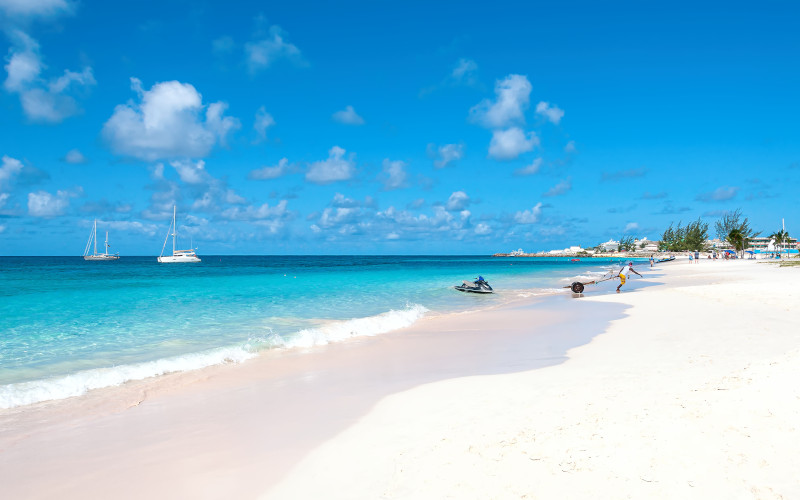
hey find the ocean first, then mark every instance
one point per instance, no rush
(68, 326)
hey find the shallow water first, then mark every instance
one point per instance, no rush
(67, 325)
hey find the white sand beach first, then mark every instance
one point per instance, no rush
(687, 388)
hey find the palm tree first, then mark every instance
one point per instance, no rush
(737, 240)
(781, 237)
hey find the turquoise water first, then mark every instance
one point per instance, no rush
(67, 325)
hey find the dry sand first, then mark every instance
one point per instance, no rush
(694, 394)
(690, 393)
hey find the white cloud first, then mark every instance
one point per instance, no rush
(512, 99)
(167, 123)
(529, 216)
(3, 199)
(257, 212)
(42, 100)
(273, 172)
(263, 121)
(395, 174)
(631, 226)
(449, 153)
(530, 169)
(35, 7)
(335, 168)
(74, 156)
(551, 113)
(348, 116)
(44, 204)
(457, 201)
(464, 71)
(262, 53)
(482, 229)
(570, 147)
(191, 173)
(10, 168)
(509, 144)
(560, 188)
(723, 193)
(134, 227)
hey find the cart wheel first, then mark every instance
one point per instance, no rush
(577, 287)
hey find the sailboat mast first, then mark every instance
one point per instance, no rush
(174, 228)
(106, 242)
(95, 236)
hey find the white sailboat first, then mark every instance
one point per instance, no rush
(177, 255)
(95, 255)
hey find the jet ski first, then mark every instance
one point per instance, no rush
(480, 285)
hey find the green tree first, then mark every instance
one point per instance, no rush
(734, 220)
(781, 237)
(738, 240)
(626, 244)
(695, 236)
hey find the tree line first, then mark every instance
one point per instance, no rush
(732, 228)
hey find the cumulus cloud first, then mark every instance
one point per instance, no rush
(512, 98)
(631, 226)
(262, 122)
(348, 116)
(552, 113)
(509, 144)
(261, 212)
(190, 172)
(74, 156)
(10, 168)
(335, 168)
(720, 194)
(394, 174)
(167, 122)
(530, 169)
(44, 204)
(261, 54)
(458, 201)
(560, 188)
(531, 216)
(447, 154)
(482, 229)
(272, 172)
(42, 100)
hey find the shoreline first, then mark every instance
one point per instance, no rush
(267, 408)
(472, 405)
(318, 332)
(692, 394)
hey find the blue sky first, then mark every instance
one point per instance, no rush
(383, 128)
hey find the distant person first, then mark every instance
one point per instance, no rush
(623, 274)
(652, 259)
(696, 257)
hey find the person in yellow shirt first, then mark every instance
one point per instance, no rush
(623, 274)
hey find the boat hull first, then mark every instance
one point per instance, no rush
(101, 257)
(178, 259)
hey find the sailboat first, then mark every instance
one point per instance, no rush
(177, 255)
(95, 255)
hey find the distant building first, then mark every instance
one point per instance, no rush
(766, 243)
(610, 246)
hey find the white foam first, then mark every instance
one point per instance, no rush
(76, 384)
(360, 327)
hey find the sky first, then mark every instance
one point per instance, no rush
(392, 128)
